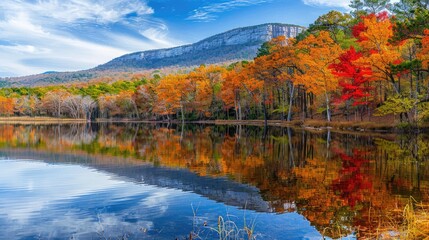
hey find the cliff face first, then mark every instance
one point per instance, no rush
(236, 44)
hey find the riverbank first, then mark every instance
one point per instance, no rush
(311, 125)
(39, 120)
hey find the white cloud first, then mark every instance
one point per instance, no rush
(69, 11)
(332, 3)
(328, 3)
(27, 49)
(67, 35)
(209, 12)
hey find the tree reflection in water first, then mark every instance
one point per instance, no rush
(342, 183)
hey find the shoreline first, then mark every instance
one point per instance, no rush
(310, 125)
(39, 120)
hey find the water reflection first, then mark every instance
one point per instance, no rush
(62, 201)
(67, 201)
(342, 183)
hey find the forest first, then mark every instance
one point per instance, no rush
(371, 63)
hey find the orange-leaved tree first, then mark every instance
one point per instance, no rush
(374, 33)
(277, 69)
(208, 81)
(175, 91)
(147, 99)
(314, 56)
(6, 106)
(237, 86)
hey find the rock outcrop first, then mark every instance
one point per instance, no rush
(236, 44)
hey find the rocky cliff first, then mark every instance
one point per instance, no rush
(236, 44)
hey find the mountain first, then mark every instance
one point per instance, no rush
(234, 45)
(49, 72)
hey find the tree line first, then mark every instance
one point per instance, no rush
(373, 61)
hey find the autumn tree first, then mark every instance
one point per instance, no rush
(107, 105)
(315, 55)
(175, 91)
(386, 58)
(354, 79)
(6, 106)
(208, 81)
(27, 105)
(147, 99)
(374, 33)
(125, 100)
(53, 101)
(78, 106)
(239, 85)
(276, 70)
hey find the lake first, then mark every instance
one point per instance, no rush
(142, 181)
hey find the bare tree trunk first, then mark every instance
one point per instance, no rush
(264, 107)
(283, 104)
(236, 108)
(59, 108)
(292, 90)
(240, 113)
(182, 113)
(328, 110)
(136, 110)
(181, 132)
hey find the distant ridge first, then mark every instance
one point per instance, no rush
(50, 72)
(236, 44)
(233, 45)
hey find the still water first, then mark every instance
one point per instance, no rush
(136, 181)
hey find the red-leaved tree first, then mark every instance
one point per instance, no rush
(354, 78)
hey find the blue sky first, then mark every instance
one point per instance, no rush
(68, 35)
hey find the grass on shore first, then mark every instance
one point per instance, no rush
(412, 224)
(225, 229)
(38, 120)
(416, 225)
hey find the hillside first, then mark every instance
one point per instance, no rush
(233, 45)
